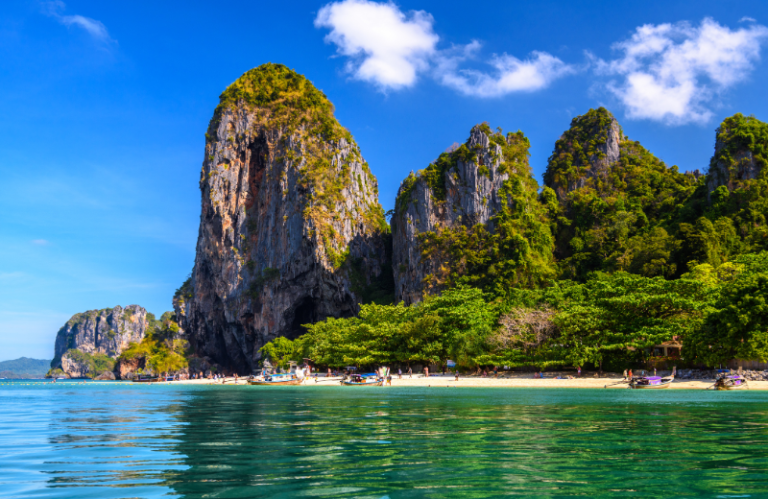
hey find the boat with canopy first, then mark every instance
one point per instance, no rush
(371, 379)
(652, 382)
(730, 382)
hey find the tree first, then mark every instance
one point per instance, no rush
(280, 352)
(738, 325)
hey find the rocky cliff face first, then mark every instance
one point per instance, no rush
(464, 190)
(291, 228)
(739, 154)
(108, 332)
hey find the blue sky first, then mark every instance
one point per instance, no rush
(104, 106)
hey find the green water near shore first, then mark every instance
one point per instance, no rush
(119, 441)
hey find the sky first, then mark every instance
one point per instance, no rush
(104, 107)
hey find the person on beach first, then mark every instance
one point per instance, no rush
(389, 380)
(410, 372)
(495, 372)
(456, 373)
(426, 372)
(399, 373)
(629, 375)
(625, 375)
(578, 371)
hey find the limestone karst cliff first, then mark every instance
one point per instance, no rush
(97, 334)
(473, 216)
(291, 230)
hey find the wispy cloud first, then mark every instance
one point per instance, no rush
(390, 49)
(747, 19)
(97, 30)
(385, 46)
(511, 74)
(673, 72)
(40, 242)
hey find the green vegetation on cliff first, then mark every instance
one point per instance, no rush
(96, 363)
(284, 98)
(515, 248)
(311, 140)
(579, 147)
(161, 350)
(613, 217)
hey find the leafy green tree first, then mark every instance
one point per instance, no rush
(737, 325)
(280, 352)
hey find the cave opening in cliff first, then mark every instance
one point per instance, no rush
(303, 313)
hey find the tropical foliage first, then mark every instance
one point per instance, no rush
(161, 350)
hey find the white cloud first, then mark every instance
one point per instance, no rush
(40, 242)
(511, 74)
(93, 27)
(672, 72)
(386, 46)
(390, 49)
(747, 19)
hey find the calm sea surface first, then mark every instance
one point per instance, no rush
(115, 440)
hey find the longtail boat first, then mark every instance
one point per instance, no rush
(277, 379)
(143, 378)
(652, 382)
(371, 379)
(735, 382)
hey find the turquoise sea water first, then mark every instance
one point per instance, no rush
(114, 440)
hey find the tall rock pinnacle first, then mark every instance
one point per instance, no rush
(291, 228)
(471, 217)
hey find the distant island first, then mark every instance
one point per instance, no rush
(616, 260)
(24, 368)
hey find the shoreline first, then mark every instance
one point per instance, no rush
(434, 381)
(514, 381)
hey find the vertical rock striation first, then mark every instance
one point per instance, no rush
(462, 196)
(291, 231)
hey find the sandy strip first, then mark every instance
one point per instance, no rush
(511, 381)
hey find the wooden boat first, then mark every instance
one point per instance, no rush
(146, 379)
(735, 382)
(651, 382)
(277, 379)
(371, 379)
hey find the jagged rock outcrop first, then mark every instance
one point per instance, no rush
(613, 195)
(585, 153)
(739, 152)
(291, 228)
(107, 332)
(468, 187)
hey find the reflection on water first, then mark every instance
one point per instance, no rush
(118, 440)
